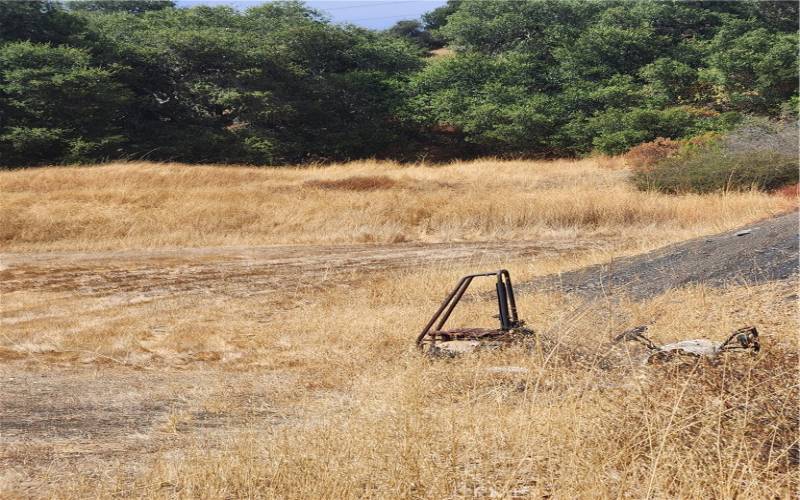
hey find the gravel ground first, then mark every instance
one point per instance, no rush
(764, 251)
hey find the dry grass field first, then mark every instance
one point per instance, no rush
(142, 206)
(228, 332)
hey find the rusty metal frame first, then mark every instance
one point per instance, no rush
(746, 339)
(506, 305)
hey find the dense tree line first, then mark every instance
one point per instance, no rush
(279, 83)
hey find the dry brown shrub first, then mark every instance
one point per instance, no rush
(792, 191)
(442, 52)
(647, 154)
(701, 112)
(703, 139)
(359, 183)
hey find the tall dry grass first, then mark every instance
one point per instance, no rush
(371, 418)
(146, 205)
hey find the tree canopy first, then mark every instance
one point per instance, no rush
(90, 80)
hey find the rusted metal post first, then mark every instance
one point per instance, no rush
(506, 305)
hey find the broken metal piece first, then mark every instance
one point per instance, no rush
(636, 334)
(507, 370)
(742, 339)
(437, 340)
(747, 338)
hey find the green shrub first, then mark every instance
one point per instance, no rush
(757, 155)
(615, 131)
(711, 169)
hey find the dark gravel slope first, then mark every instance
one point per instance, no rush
(764, 251)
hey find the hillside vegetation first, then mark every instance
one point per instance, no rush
(92, 81)
(150, 205)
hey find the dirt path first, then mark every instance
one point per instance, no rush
(764, 251)
(57, 420)
(132, 277)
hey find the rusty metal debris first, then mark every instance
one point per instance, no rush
(743, 339)
(436, 340)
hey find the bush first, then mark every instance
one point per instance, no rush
(615, 131)
(792, 191)
(647, 154)
(757, 155)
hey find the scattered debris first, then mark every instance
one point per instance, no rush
(436, 340)
(743, 339)
(453, 348)
(507, 370)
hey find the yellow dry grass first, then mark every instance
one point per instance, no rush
(142, 205)
(330, 400)
(366, 416)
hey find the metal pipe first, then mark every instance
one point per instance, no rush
(439, 311)
(453, 304)
(511, 301)
(502, 302)
(505, 296)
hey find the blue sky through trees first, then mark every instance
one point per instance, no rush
(375, 14)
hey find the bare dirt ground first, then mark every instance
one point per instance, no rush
(56, 420)
(245, 271)
(275, 274)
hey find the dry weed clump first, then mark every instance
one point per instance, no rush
(792, 191)
(726, 417)
(609, 162)
(361, 183)
(757, 154)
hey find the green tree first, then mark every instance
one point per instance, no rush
(437, 18)
(130, 6)
(274, 84)
(490, 101)
(752, 69)
(670, 81)
(614, 131)
(415, 32)
(42, 21)
(279, 83)
(58, 105)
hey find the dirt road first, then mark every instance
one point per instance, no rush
(146, 275)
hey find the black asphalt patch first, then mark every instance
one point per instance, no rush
(764, 251)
